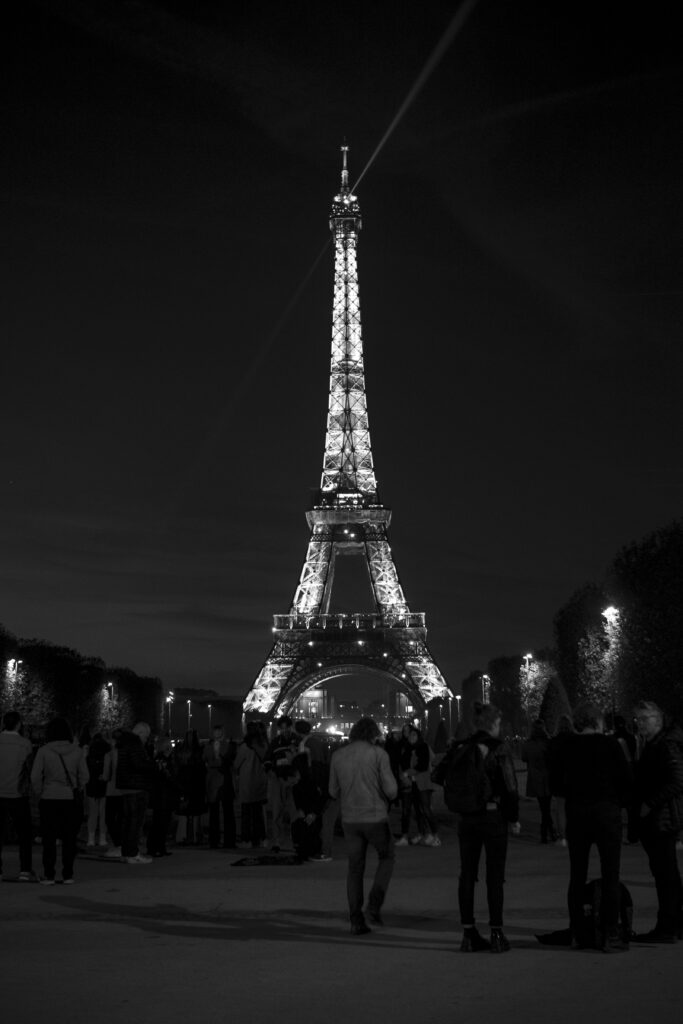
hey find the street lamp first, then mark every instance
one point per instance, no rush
(209, 707)
(528, 658)
(611, 617)
(189, 713)
(458, 698)
(485, 688)
(110, 687)
(169, 704)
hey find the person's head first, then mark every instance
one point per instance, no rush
(365, 729)
(284, 724)
(218, 732)
(58, 729)
(589, 717)
(143, 730)
(11, 721)
(163, 746)
(414, 736)
(302, 728)
(538, 730)
(486, 718)
(405, 730)
(649, 718)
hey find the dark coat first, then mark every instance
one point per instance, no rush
(535, 754)
(659, 780)
(135, 771)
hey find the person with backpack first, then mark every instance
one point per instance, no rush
(659, 793)
(592, 774)
(480, 784)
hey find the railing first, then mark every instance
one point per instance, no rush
(345, 620)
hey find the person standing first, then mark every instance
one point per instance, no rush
(361, 776)
(15, 765)
(252, 785)
(659, 791)
(535, 755)
(281, 752)
(135, 779)
(485, 775)
(58, 777)
(219, 755)
(595, 779)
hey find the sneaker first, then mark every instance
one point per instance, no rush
(499, 944)
(374, 916)
(360, 929)
(473, 942)
(320, 858)
(25, 876)
(247, 846)
(114, 851)
(431, 840)
(614, 943)
(68, 881)
(138, 859)
(47, 881)
(416, 841)
(403, 841)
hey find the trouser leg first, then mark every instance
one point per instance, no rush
(495, 845)
(382, 840)
(357, 845)
(471, 840)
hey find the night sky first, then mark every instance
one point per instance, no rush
(167, 175)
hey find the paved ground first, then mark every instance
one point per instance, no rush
(191, 937)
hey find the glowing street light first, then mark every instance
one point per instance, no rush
(458, 698)
(169, 704)
(189, 712)
(110, 688)
(209, 707)
(485, 688)
(611, 615)
(528, 658)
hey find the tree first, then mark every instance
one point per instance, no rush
(581, 643)
(646, 581)
(555, 703)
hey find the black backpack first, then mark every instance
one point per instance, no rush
(466, 786)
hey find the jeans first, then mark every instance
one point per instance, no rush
(133, 809)
(419, 800)
(490, 831)
(113, 813)
(547, 827)
(660, 848)
(19, 810)
(253, 824)
(225, 799)
(59, 819)
(598, 824)
(360, 835)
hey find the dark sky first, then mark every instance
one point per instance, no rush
(167, 176)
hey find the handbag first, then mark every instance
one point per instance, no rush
(75, 791)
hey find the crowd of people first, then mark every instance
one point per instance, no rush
(131, 788)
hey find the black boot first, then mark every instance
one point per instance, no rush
(473, 942)
(499, 944)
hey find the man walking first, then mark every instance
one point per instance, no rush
(361, 776)
(659, 793)
(15, 757)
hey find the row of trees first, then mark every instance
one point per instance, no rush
(615, 642)
(41, 680)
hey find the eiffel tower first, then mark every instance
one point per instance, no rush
(347, 517)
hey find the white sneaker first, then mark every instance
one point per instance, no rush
(139, 859)
(416, 840)
(403, 841)
(431, 840)
(47, 881)
(68, 881)
(114, 851)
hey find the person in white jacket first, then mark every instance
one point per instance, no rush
(58, 776)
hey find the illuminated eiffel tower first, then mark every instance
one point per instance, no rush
(311, 644)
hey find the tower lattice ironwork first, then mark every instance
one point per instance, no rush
(311, 644)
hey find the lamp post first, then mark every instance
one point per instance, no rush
(110, 687)
(189, 713)
(611, 617)
(528, 658)
(485, 688)
(169, 704)
(458, 699)
(209, 707)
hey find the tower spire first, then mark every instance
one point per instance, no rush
(348, 475)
